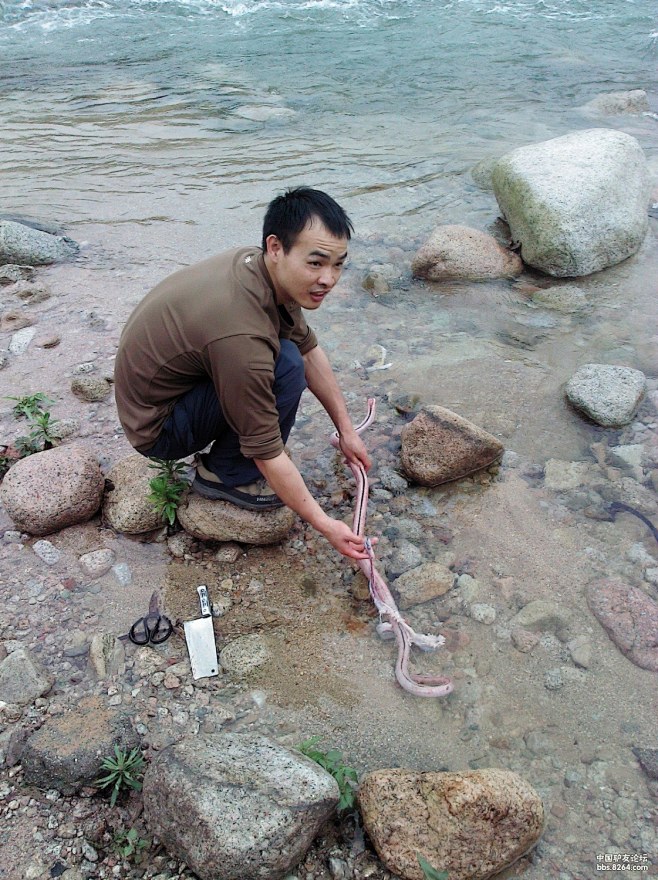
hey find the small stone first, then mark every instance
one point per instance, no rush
(97, 563)
(171, 681)
(47, 552)
(553, 679)
(14, 319)
(244, 654)
(20, 340)
(122, 573)
(91, 388)
(49, 341)
(609, 395)
(483, 613)
(228, 552)
(580, 649)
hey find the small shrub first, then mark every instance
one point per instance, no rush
(129, 845)
(167, 487)
(332, 761)
(124, 770)
(32, 408)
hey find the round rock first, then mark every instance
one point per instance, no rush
(22, 244)
(53, 489)
(458, 252)
(609, 395)
(91, 388)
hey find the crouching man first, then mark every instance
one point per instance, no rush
(220, 353)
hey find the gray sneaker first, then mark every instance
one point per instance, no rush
(252, 496)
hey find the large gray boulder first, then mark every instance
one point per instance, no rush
(23, 244)
(576, 204)
(609, 395)
(471, 825)
(236, 806)
(53, 489)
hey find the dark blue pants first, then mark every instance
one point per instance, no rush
(197, 420)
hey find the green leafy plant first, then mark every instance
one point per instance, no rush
(167, 487)
(332, 761)
(429, 872)
(129, 845)
(124, 770)
(28, 406)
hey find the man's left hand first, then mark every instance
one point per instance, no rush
(354, 449)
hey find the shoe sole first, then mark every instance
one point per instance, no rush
(240, 499)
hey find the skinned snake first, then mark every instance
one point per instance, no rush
(392, 624)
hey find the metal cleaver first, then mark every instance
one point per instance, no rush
(200, 638)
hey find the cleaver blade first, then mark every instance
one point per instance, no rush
(200, 638)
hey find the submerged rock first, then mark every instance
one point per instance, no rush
(23, 244)
(53, 489)
(422, 584)
(609, 395)
(458, 252)
(236, 806)
(576, 204)
(617, 103)
(630, 618)
(223, 521)
(439, 446)
(22, 678)
(471, 825)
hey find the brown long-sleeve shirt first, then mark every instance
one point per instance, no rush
(217, 319)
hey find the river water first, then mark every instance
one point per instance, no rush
(155, 133)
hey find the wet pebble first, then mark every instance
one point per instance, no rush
(20, 340)
(47, 552)
(97, 563)
(404, 557)
(553, 679)
(483, 613)
(122, 573)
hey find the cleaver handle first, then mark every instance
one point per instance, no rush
(204, 600)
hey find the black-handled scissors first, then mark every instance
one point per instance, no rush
(154, 628)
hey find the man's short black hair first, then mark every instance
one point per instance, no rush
(289, 214)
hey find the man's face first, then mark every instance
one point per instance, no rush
(310, 269)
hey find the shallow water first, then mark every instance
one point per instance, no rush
(155, 133)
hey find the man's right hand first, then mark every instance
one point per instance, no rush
(343, 539)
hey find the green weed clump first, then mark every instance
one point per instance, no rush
(129, 845)
(124, 770)
(33, 408)
(167, 487)
(332, 761)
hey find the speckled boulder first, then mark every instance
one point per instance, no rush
(53, 489)
(127, 507)
(223, 521)
(439, 446)
(458, 252)
(91, 388)
(23, 244)
(610, 395)
(577, 203)
(471, 825)
(67, 752)
(236, 806)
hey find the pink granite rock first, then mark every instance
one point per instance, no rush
(458, 252)
(470, 824)
(630, 618)
(53, 489)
